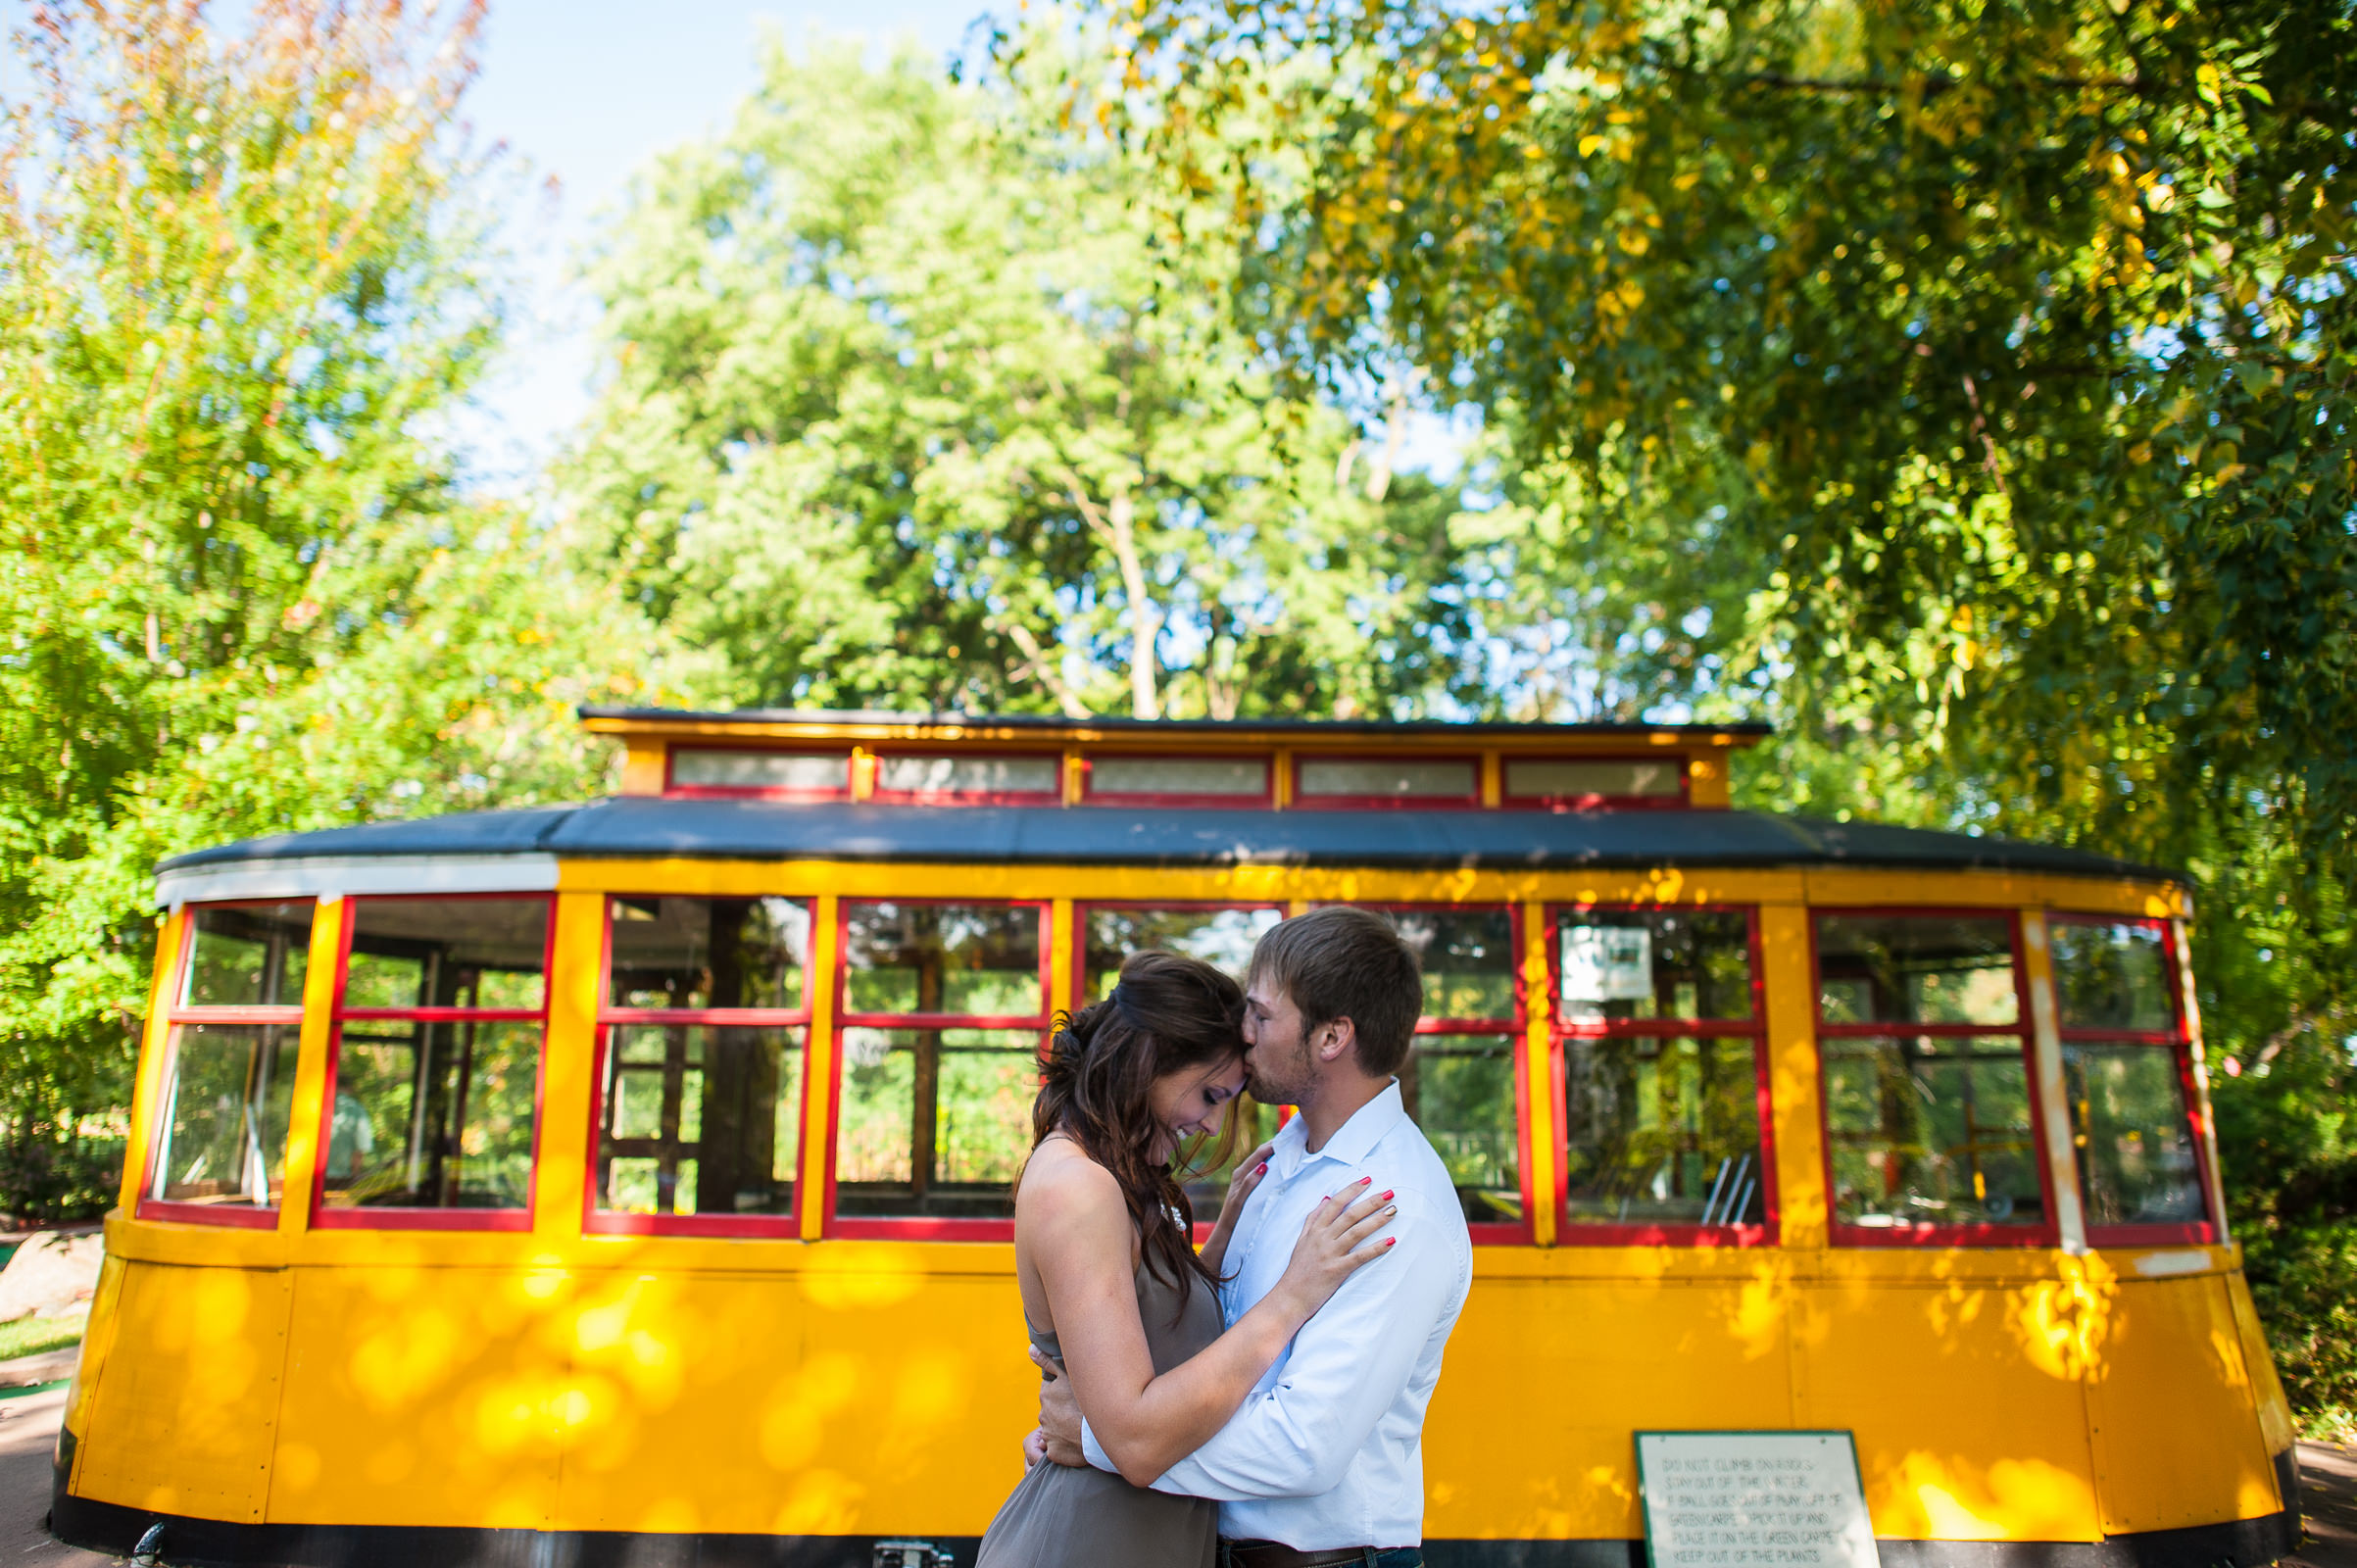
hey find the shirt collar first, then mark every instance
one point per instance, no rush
(1353, 1142)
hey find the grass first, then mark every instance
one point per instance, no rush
(30, 1335)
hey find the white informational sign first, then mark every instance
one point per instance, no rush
(1753, 1500)
(1607, 963)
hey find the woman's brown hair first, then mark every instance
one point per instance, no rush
(1167, 1013)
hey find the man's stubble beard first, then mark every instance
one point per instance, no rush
(1283, 1086)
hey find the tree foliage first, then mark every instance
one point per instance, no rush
(908, 409)
(239, 280)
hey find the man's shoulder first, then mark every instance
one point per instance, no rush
(1404, 1159)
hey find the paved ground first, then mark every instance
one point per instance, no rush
(2329, 1499)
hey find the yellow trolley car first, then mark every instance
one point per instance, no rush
(628, 1182)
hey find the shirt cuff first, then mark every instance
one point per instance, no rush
(1093, 1451)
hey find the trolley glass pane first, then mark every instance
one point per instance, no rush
(2134, 1136)
(934, 1122)
(1459, 1090)
(1930, 1130)
(1221, 938)
(1469, 961)
(248, 955)
(433, 1114)
(1623, 966)
(981, 960)
(484, 953)
(700, 1119)
(224, 1135)
(2112, 977)
(1916, 968)
(1662, 1129)
(708, 953)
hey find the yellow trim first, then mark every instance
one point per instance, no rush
(1075, 777)
(1795, 1097)
(817, 1070)
(645, 766)
(567, 1058)
(1538, 1059)
(1280, 778)
(2181, 935)
(307, 1109)
(2051, 1087)
(1706, 780)
(1564, 741)
(1490, 771)
(155, 1042)
(1063, 979)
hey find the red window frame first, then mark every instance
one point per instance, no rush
(596, 1222)
(1386, 803)
(1090, 795)
(390, 1218)
(1980, 1233)
(2202, 1232)
(914, 1227)
(753, 792)
(1682, 801)
(1052, 796)
(1517, 1030)
(178, 1014)
(1768, 1230)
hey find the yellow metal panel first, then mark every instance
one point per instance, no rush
(307, 1109)
(646, 766)
(2053, 1095)
(1075, 777)
(1281, 779)
(1795, 1090)
(155, 1037)
(1064, 982)
(100, 1335)
(2276, 1431)
(1491, 790)
(858, 1404)
(819, 1071)
(1966, 1403)
(423, 1397)
(2172, 1410)
(1706, 782)
(568, 1057)
(180, 1422)
(862, 774)
(2093, 895)
(1538, 1059)
(1528, 1431)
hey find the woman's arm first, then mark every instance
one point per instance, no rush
(1080, 1246)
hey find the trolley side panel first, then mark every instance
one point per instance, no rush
(1545, 1380)
(422, 1397)
(1966, 1402)
(180, 1419)
(2174, 1415)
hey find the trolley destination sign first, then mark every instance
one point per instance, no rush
(1753, 1500)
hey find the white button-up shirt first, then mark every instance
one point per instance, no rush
(1328, 1450)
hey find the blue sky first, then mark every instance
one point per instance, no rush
(586, 90)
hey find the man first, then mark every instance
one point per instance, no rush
(1325, 1462)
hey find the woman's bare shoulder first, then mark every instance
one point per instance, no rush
(1063, 1185)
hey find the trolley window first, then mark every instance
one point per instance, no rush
(1581, 783)
(1664, 1078)
(959, 778)
(1461, 1082)
(1380, 781)
(777, 775)
(1165, 780)
(2128, 1069)
(219, 1152)
(699, 1066)
(1931, 1127)
(433, 1077)
(942, 1013)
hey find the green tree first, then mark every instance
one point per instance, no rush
(1977, 375)
(907, 408)
(240, 281)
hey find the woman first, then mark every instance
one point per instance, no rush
(1113, 1291)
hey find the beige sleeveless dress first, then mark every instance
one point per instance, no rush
(1060, 1517)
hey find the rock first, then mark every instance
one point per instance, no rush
(51, 1273)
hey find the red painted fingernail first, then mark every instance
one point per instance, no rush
(1387, 1198)
(1263, 1169)
(1366, 1181)
(1391, 1240)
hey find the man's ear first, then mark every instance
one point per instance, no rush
(1336, 1037)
